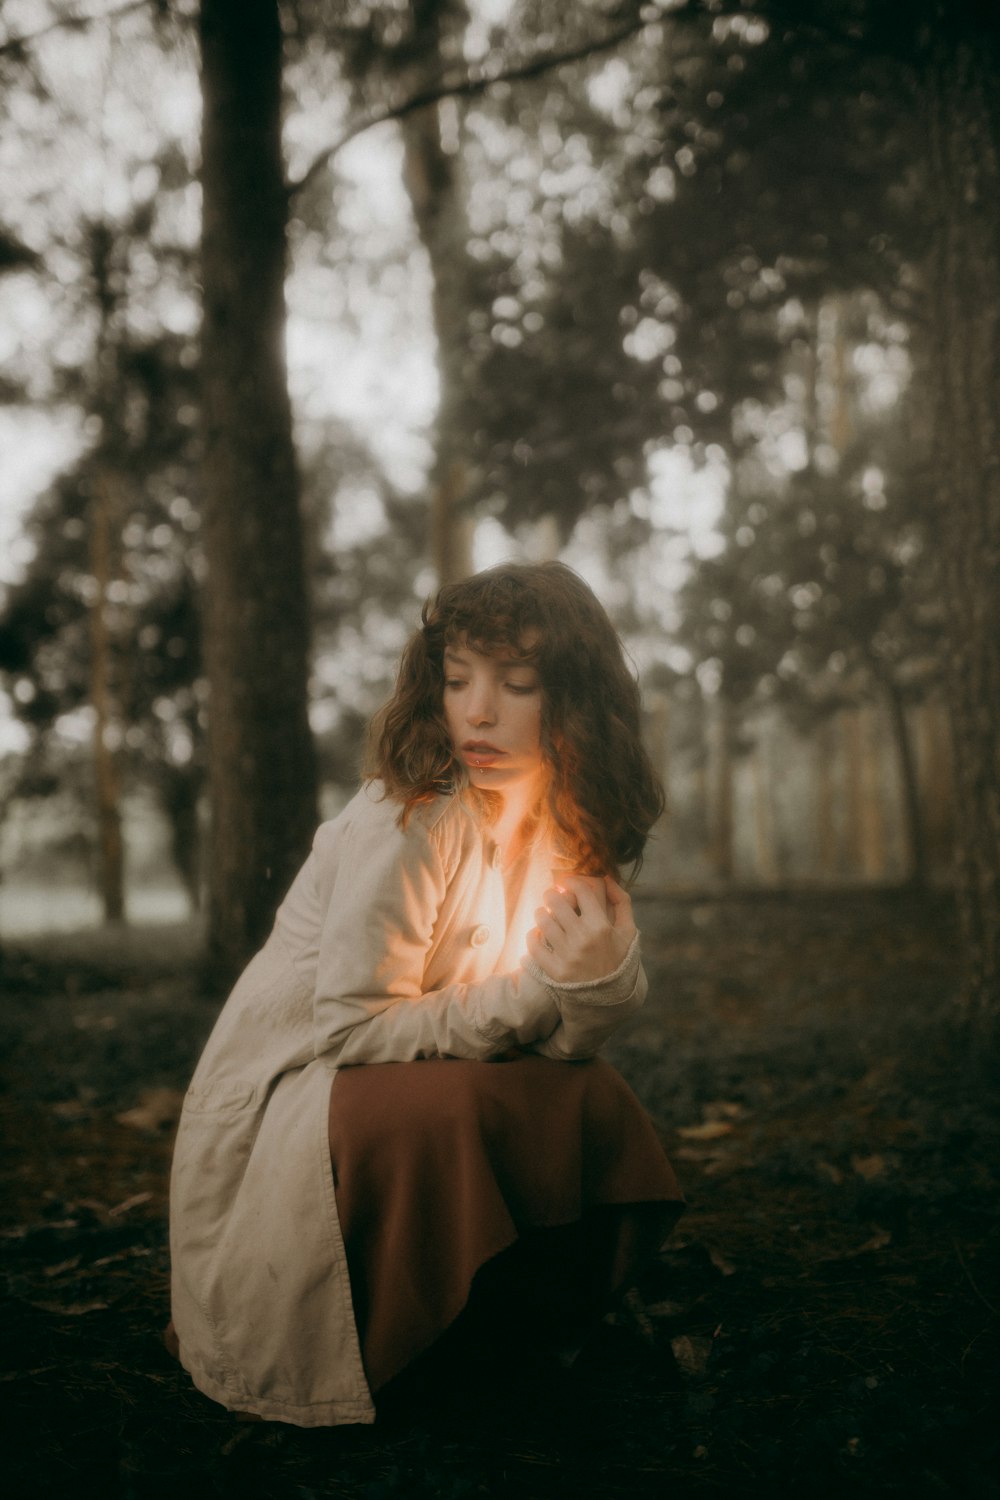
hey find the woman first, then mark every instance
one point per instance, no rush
(346, 1159)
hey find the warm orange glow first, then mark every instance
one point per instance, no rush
(517, 934)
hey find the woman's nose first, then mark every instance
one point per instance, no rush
(482, 707)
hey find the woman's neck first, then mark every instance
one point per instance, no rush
(514, 825)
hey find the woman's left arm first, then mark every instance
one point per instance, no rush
(586, 950)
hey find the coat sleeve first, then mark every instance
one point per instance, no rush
(590, 1011)
(377, 927)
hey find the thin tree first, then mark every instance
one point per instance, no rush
(961, 89)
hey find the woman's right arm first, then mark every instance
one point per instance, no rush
(586, 949)
(381, 905)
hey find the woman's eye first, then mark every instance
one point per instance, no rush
(521, 687)
(453, 682)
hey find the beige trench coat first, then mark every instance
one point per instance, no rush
(391, 945)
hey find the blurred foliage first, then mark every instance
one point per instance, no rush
(143, 468)
(825, 585)
(787, 137)
(651, 239)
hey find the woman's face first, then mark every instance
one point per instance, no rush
(493, 709)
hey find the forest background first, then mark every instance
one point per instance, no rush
(306, 306)
(697, 296)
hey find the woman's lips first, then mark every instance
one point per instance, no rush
(480, 754)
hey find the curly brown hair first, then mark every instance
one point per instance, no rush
(602, 795)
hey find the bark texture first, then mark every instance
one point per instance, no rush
(262, 775)
(915, 847)
(722, 828)
(432, 179)
(962, 97)
(105, 523)
(106, 515)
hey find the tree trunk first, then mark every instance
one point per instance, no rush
(722, 800)
(962, 90)
(825, 743)
(432, 180)
(179, 789)
(770, 852)
(111, 857)
(701, 783)
(937, 796)
(105, 518)
(261, 761)
(840, 407)
(913, 822)
(873, 853)
(811, 418)
(854, 812)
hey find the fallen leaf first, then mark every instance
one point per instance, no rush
(95, 1023)
(692, 1354)
(94, 1205)
(724, 1109)
(632, 1313)
(69, 1109)
(70, 1309)
(722, 1265)
(664, 1309)
(64, 1265)
(708, 1130)
(721, 1162)
(133, 1202)
(129, 1253)
(878, 1241)
(158, 1110)
(832, 1173)
(868, 1167)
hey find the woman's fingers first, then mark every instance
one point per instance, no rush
(552, 932)
(589, 896)
(619, 906)
(573, 913)
(558, 935)
(560, 905)
(539, 949)
(584, 898)
(583, 930)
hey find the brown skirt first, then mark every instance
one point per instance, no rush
(441, 1165)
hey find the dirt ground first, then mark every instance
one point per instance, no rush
(823, 1321)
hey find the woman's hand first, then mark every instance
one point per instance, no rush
(585, 929)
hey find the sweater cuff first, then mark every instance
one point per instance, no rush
(614, 988)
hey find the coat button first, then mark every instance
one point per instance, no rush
(480, 935)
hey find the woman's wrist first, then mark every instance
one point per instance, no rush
(609, 989)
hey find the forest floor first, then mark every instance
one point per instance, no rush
(823, 1322)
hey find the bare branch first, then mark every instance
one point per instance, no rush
(70, 23)
(471, 88)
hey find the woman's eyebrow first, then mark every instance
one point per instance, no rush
(504, 663)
